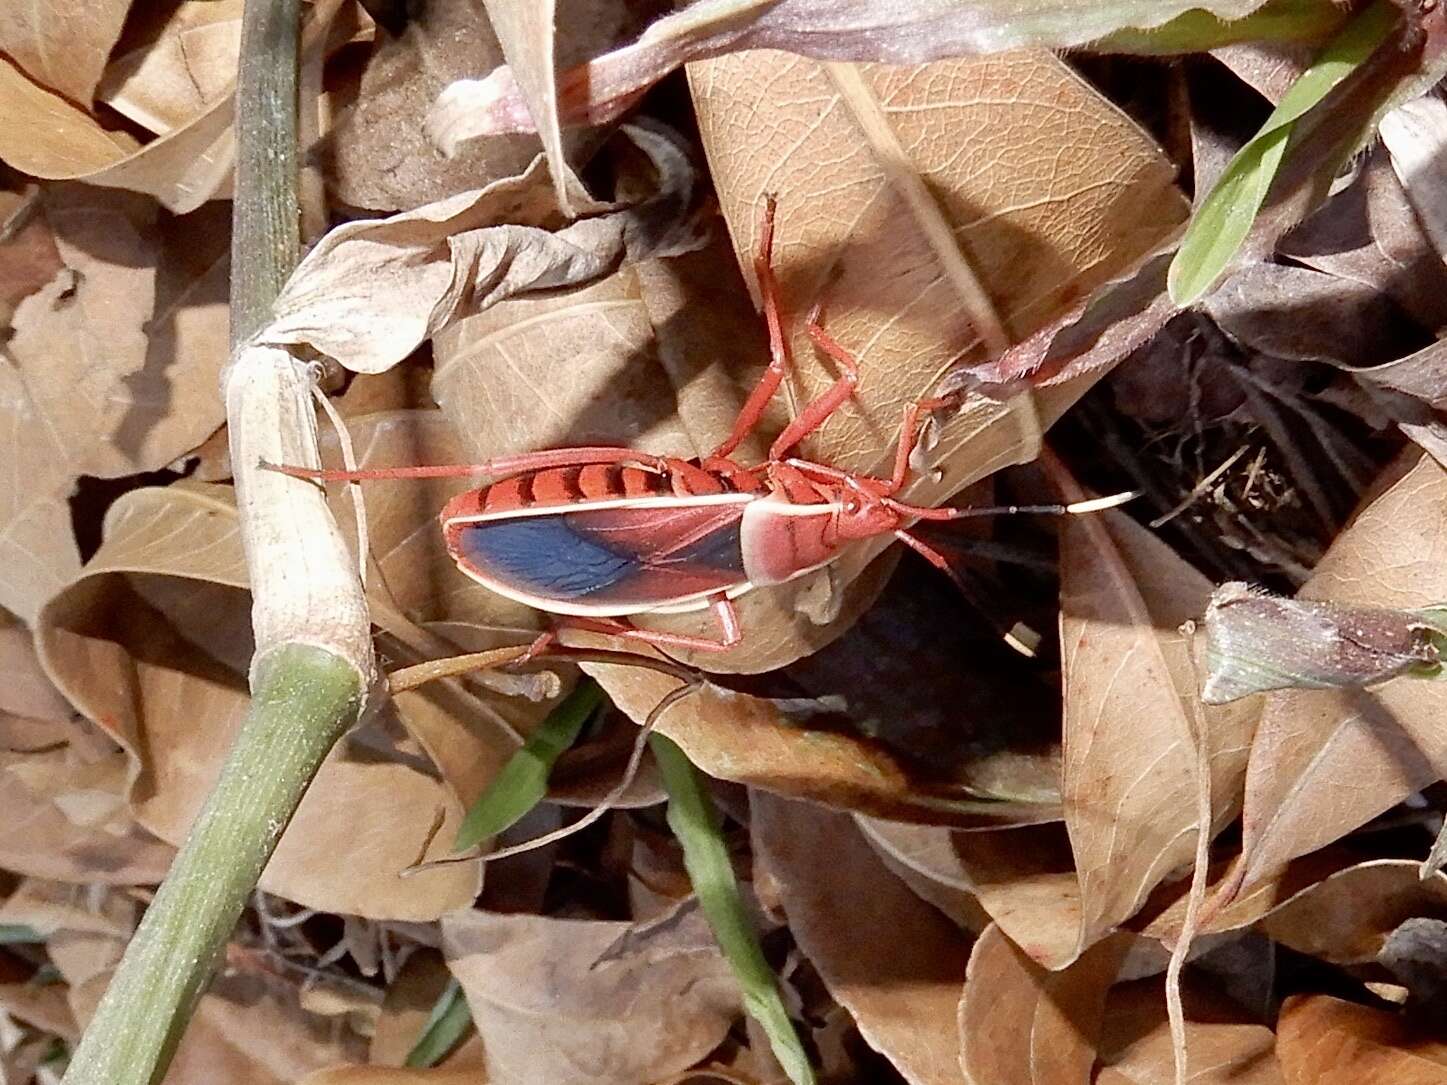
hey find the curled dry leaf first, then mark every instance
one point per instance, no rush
(891, 960)
(37, 548)
(861, 30)
(749, 740)
(1347, 917)
(62, 46)
(183, 66)
(555, 1000)
(1325, 761)
(70, 821)
(155, 635)
(1023, 1025)
(1023, 878)
(51, 138)
(1136, 1046)
(529, 33)
(1129, 763)
(122, 349)
(1326, 1041)
(371, 291)
(1369, 234)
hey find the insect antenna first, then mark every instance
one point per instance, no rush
(1074, 508)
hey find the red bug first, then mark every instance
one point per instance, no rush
(600, 534)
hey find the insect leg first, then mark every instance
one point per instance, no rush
(723, 609)
(503, 465)
(779, 359)
(835, 396)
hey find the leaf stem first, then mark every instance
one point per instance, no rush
(304, 699)
(313, 663)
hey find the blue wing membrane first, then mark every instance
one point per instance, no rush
(557, 558)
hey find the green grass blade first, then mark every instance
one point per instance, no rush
(523, 781)
(446, 1024)
(693, 819)
(1224, 217)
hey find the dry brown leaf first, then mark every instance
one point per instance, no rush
(1129, 762)
(528, 31)
(56, 141)
(1024, 879)
(370, 292)
(1347, 917)
(187, 65)
(1325, 761)
(1136, 1046)
(862, 30)
(60, 45)
(378, 154)
(190, 164)
(153, 640)
(28, 258)
(26, 691)
(47, 136)
(1325, 1041)
(749, 740)
(69, 821)
(555, 1000)
(1022, 1025)
(250, 1028)
(122, 350)
(892, 961)
(37, 548)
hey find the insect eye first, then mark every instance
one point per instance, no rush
(851, 505)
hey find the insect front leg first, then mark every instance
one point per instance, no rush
(779, 358)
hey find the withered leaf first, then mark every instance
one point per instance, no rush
(1136, 1046)
(1346, 917)
(895, 963)
(37, 548)
(155, 636)
(122, 349)
(60, 45)
(1023, 1025)
(187, 65)
(371, 291)
(1130, 763)
(1325, 761)
(1326, 1041)
(554, 1001)
(70, 821)
(860, 30)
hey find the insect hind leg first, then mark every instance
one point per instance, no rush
(721, 605)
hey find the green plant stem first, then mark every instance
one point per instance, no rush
(304, 698)
(266, 221)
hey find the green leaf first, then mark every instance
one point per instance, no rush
(449, 1020)
(693, 819)
(1224, 217)
(1196, 31)
(523, 781)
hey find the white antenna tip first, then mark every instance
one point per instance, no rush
(1097, 504)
